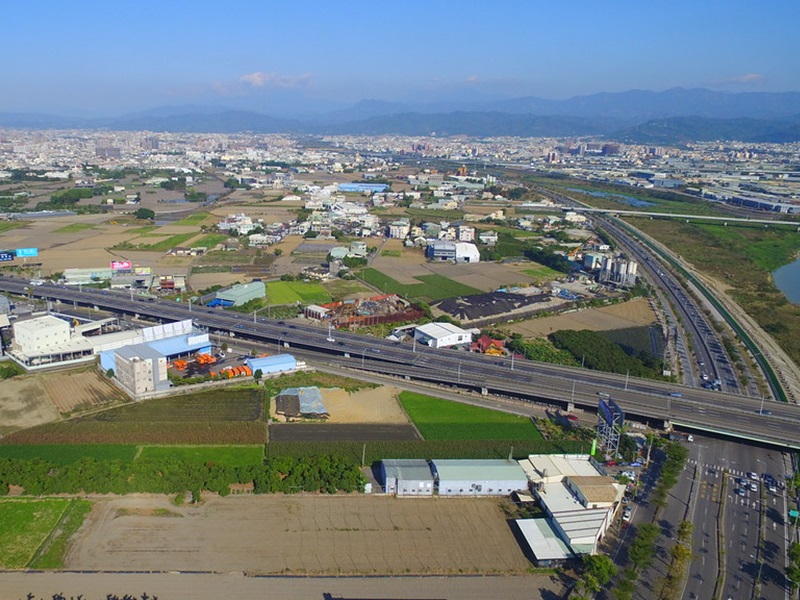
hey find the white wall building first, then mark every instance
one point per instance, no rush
(38, 336)
(478, 477)
(466, 234)
(141, 369)
(441, 335)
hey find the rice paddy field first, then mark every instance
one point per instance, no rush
(291, 292)
(445, 420)
(235, 456)
(430, 289)
(26, 525)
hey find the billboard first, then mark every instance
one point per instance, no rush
(6, 255)
(611, 413)
(120, 265)
(27, 252)
(142, 271)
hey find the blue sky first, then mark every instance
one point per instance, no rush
(107, 58)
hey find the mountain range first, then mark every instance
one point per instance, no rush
(636, 116)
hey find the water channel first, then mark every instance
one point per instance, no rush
(787, 280)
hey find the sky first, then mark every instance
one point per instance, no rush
(92, 58)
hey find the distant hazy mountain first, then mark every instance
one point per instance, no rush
(640, 104)
(230, 121)
(477, 124)
(683, 129)
(637, 116)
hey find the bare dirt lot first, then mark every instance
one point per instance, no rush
(618, 316)
(374, 405)
(352, 534)
(38, 398)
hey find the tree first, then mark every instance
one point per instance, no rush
(110, 373)
(144, 213)
(224, 346)
(277, 252)
(600, 567)
(258, 375)
(685, 529)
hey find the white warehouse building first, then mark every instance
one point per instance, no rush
(478, 477)
(441, 335)
(407, 477)
(37, 336)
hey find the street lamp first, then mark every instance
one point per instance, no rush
(280, 343)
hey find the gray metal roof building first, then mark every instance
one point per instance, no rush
(243, 293)
(472, 477)
(407, 477)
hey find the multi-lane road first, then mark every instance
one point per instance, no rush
(739, 539)
(724, 413)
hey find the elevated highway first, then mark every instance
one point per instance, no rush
(731, 415)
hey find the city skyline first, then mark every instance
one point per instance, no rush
(85, 60)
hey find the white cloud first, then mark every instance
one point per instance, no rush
(275, 80)
(746, 79)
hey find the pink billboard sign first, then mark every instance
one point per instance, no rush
(120, 265)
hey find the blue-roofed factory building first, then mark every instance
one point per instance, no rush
(277, 363)
(363, 187)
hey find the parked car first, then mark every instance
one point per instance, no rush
(627, 512)
(739, 491)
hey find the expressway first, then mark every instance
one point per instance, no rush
(706, 344)
(703, 410)
(710, 354)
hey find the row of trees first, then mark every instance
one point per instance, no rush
(597, 352)
(319, 473)
(793, 568)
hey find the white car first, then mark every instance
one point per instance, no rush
(627, 512)
(752, 476)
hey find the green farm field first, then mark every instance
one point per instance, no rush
(290, 292)
(26, 524)
(432, 287)
(210, 240)
(231, 415)
(445, 420)
(63, 454)
(542, 273)
(194, 219)
(67, 453)
(9, 225)
(235, 456)
(74, 228)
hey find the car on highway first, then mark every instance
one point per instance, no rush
(764, 412)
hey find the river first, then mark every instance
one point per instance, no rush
(787, 280)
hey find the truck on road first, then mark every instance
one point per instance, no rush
(677, 436)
